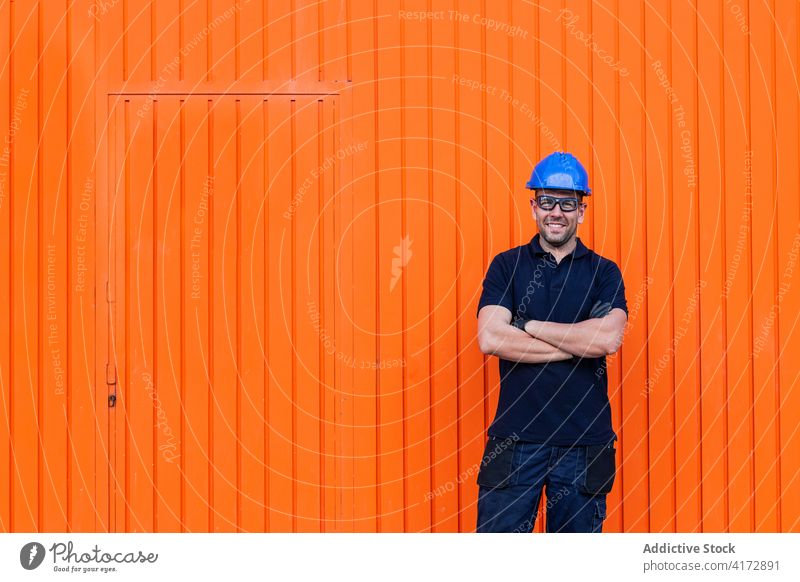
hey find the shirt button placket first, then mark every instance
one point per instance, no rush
(557, 278)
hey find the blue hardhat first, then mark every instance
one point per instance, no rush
(559, 171)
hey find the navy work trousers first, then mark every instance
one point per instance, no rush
(514, 473)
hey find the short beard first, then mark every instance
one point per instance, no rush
(567, 236)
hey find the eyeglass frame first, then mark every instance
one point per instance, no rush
(558, 201)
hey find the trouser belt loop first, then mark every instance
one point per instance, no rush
(553, 457)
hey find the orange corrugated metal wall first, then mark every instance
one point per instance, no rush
(241, 245)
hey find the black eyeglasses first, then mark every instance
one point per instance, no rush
(549, 202)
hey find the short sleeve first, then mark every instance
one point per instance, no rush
(611, 288)
(497, 289)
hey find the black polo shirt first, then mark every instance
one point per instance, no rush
(558, 403)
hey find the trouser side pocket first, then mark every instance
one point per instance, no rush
(598, 478)
(497, 464)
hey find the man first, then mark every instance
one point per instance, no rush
(552, 428)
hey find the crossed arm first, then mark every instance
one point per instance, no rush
(547, 341)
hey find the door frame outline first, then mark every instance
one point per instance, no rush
(106, 139)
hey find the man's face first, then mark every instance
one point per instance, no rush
(556, 226)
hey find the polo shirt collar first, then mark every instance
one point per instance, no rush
(579, 250)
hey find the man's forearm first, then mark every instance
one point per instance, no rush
(515, 345)
(589, 338)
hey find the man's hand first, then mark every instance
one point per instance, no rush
(598, 336)
(600, 309)
(497, 337)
